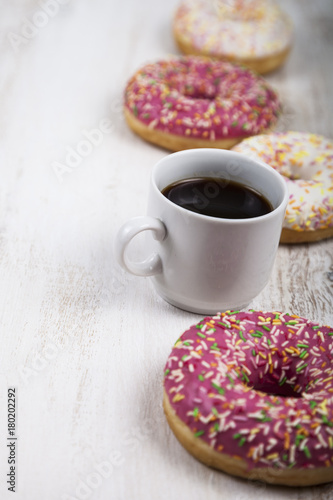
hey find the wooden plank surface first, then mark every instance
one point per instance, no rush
(84, 343)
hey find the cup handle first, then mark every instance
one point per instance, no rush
(153, 264)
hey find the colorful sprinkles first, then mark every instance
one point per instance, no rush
(274, 400)
(245, 29)
(201, 98)
(306, 161)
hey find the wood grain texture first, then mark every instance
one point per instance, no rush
(84, 343)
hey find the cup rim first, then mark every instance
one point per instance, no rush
(231, 154)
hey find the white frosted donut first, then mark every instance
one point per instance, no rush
(306, 161)
(256, 33)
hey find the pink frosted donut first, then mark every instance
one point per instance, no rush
(256, 33)
(251, 393)
(191, 102)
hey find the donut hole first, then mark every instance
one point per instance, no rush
(294, 173)
(274, 389)
(195, 88)
(274, 385)
(296, 169)
(202, 91)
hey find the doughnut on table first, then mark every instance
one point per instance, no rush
(84, 344)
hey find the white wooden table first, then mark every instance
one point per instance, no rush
(83, 343)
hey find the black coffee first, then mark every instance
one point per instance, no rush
(218, 198)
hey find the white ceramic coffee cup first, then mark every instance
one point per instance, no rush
(200, 263)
